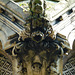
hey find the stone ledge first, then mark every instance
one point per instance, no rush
(14, 7)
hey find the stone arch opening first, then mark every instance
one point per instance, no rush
(71, 38)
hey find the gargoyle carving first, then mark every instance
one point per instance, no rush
(42, 52)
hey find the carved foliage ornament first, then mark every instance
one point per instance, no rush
(41, 53)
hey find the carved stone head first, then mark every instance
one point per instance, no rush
(37, 6)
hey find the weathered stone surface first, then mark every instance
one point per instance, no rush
(55, 9)
(14, 7)
(71, 1)
(5, 33)
(4, 2)
(3, 38)
(6, 30)
(31, 57)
